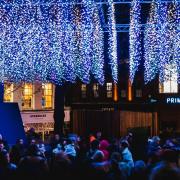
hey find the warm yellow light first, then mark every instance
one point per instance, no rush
(129, 91)
(115, 92)
(47, 95)
(8, 92)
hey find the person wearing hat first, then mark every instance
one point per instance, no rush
(126, 154)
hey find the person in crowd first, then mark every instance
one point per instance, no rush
(94, 148)
(7, 169)
(103, 146)
(165, 134)
(98, 165)
(41, 147)
(6, 146)
(99, 135)
(60, 166)
(97, 159)
(98, 156)
(69, 149)
(113, 146)
(97, 170)
(33, 165)
(55, 141)
(164, 171)
(116, 173)
(123, 166)
(31, 134)
(84, 145)
(170, 157)
(152, 160)
(75, 141)
(139, 171)
(129, 138)
(58, 149)
(2, 147)
(91, 138)
(32, 141)
(126, 154)
(17, 151)
(154, 144)
(169, 144)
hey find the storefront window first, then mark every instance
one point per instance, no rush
(47, 96)
(109, 90)
(138, 93)
(83, 90)
(27, 96)
(170, 84)
(96, 90)
(8, 92)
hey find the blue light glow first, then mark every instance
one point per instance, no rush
(161, 41)
(53, 42)
(112, 41)
(151, 46)
(135, 50)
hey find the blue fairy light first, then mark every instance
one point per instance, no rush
(135, 49)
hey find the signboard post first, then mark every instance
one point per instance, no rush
(11, 126)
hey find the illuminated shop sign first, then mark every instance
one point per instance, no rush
(173, 100)
(42, 116)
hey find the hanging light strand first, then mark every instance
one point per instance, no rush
(97, 68)
(176, 38)
(54, 42)
(135, 38)
(112, 41)
(151, 46)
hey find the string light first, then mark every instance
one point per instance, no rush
(62, 41)
(97, 67)
(161, 42)
(170, 63)
(2, 35)
(151, 46)
(68, 43)
(85, 47)
(56, 67)
(168, 66)
(112, 41)
(134, 38)
(77, 40)
(176, 39)
(52, 42)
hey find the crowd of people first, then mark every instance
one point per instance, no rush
(93, 157)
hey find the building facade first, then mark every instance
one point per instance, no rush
(118, 108)
(36, 104)
(112, 108)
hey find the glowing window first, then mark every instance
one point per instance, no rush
(27, 96)
(109, 90)
(96, 90)
(83, 90)
(8, 92)
(170, 85)
(47, 96)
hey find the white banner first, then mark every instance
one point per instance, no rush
(41, 116)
